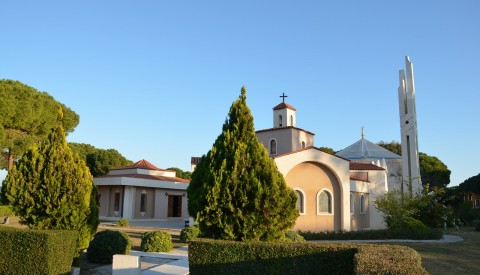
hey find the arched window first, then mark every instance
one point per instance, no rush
(300, 201)
(273, 147)
(280, 121)
(324, 202)
(303, 144)
(291, 120)
(351, 204)
(362, 204)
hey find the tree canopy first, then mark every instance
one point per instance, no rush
(51, 188)
(432, 170)
(99, 161)
(26, 117)
(236, 191)
(471, 184)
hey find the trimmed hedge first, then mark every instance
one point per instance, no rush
(384, 234)
(27, 251)
(388, 259)
(208, 256)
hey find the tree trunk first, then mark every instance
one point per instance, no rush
(10, 161)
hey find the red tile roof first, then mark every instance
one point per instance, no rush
(149, 177)
(308, 148)
(142, 164)
(287, 127)
(364, 166)
(359, 178)
(284, 105)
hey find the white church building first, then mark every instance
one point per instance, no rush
(337, 192)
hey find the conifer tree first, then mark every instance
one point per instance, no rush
(52, 188)
(236, 191)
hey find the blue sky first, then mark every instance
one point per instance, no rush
(155, 79)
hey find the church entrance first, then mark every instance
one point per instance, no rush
(174, 206)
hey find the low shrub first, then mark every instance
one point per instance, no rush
(229, 257)
(189, 233)
(293, 236)
(407, 223)
(122, 222)
(107, 243)
(156, 241)
(382, 234)
(208, 256)
(6, 210)
(388, 259)
(27, 251)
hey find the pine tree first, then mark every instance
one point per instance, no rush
(236, 191)
(52, 188)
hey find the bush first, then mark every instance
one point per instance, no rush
(156, 241)
(25, 251)
(229, 257)
(388, 259)
(189, 233)
(293, 236)
(107, 243)
(6, 210)
(383, 234)
(122, 222)
(408, 223)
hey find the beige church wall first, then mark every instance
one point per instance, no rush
(298, 137)
(150, 203)
(103, 192)
(311, 178)
(338, 169)
(360, 220)
(161, 204)
(112, 190)
(283, 136)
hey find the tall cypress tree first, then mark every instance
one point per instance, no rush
(236, 191)
(52, 188)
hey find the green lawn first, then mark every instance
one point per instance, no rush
(452, 258)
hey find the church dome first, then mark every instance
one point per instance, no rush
(364, 149)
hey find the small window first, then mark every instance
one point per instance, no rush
(143, 202)
(351, 204)
(116, 204)
(273, 147)
(303, 144)
(300, 201)
(280, 118)
(362, 204)
(291, 120)
(325, 202)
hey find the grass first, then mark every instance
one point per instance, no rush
(452, 258)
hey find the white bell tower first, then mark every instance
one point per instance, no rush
(284, 115)
(408, 129)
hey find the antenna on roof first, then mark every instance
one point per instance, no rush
(363, 133)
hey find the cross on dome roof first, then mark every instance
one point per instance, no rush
(283, 96)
